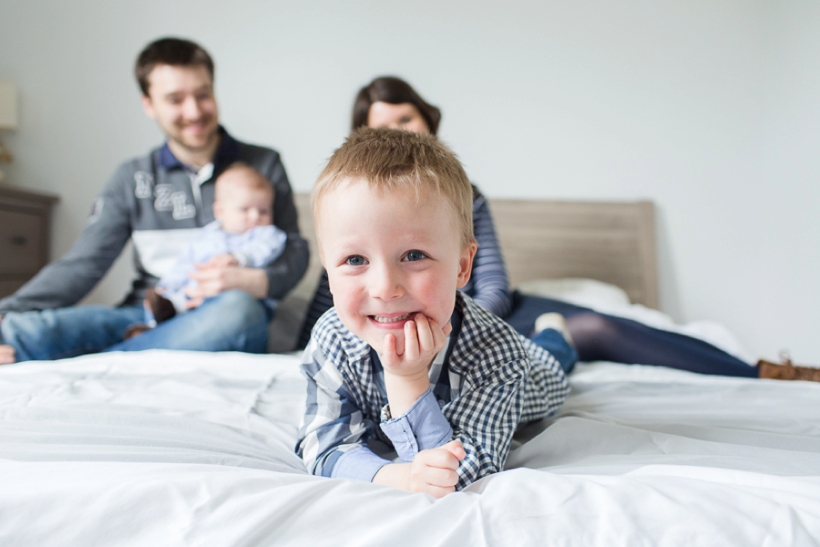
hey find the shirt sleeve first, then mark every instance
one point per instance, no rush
(489, 285)
(333, 434)
(422, 427)
(68, 279)
(484, 417)
(286, 271)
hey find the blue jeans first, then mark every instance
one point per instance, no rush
(554, 342)
(230, 321)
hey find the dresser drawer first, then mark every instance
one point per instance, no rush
(21, 242)
(8, 287)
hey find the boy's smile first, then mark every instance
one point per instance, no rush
(390, 256)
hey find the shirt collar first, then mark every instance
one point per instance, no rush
(227, 153)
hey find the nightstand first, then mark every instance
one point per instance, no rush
(25, 232)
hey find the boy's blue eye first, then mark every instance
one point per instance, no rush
(355, 260)
(414, 256)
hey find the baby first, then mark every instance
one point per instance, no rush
(241, 235)
(404, 358)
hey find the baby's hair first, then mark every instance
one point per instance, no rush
(253, 180)
(392, 159)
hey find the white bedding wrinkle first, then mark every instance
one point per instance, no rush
(187, 448)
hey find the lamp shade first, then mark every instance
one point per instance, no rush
(8, 105)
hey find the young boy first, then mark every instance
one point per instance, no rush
(242, 235)
(405, 358)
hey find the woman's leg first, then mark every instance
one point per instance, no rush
(600, 337)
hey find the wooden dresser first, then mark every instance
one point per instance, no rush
(25, 232)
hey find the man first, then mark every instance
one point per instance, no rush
(160, 201)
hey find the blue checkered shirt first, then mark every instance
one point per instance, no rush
(484, 383)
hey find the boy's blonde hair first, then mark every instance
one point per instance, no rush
(254, 181)
(393, 159)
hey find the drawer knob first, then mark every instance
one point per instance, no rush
(19, 240)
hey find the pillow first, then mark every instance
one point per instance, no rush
(589, 293)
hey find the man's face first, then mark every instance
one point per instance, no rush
(389, 257)
(181, 100)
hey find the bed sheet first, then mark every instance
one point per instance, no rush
(186, 448)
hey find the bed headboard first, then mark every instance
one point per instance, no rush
(541, 239)
(608, 241)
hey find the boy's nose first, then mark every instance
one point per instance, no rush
(385, 284)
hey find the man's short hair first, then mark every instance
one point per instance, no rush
(170, 51)
(253, 179)
(393, 159)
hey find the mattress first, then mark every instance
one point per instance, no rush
(189, 448)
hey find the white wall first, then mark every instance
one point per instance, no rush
(709, 108)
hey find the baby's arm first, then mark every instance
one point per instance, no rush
(260, 246)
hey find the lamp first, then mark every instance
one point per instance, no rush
(8, 116)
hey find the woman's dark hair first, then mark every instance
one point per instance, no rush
(392, 90)
(170, 51)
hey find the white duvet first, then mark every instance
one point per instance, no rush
(182, 448)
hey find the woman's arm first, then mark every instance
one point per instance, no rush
(488, 285)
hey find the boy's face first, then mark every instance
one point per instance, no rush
(240, 208)
(388, 257)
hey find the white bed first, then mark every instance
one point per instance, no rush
(185, 448)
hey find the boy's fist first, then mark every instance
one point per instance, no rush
(434, 471)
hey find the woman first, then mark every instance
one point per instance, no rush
(392, 102)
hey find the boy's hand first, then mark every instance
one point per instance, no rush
(405, 368)
(431, 472)
(423, 339)
(434, 471)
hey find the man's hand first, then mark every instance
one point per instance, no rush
(213, 280)
(7, 355)
(6, 352)
(221, 261)
(406, 368)
(431, 472)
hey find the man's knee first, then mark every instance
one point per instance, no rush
(236, 307)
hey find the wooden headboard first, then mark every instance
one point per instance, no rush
(612, 242)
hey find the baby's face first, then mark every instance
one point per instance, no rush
(388, 257)
(240, 208)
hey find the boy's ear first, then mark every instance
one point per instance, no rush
(465, 263)
(217, 210)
